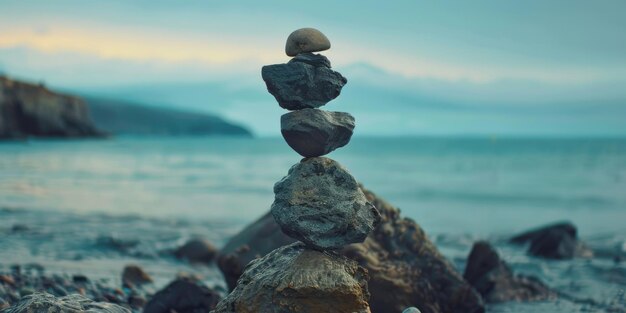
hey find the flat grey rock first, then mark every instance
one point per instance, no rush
(300, 85)
(321, 204)
(312, 59)
(313, 132)
(306, 40)
(294, 279)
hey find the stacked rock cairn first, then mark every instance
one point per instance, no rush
(318, 203)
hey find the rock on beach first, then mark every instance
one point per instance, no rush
(314, 132)
(495, 281)
(405, 267)
(320, 204)
(294, 278)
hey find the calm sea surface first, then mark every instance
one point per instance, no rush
(161, 191)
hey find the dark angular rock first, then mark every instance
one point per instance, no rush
(299, 85)
(312, 59)
(405, 268)
(197, 250)
(320, 204)
(495, 281)
(554, 241)
(183, 296)
(80, 279)
(294, 278)
(253, 242)
(44, 302)
(313, 132)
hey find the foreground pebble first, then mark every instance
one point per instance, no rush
(313, 132)
(296, 279)
(44, 302)
(321, 204)
(306, 40)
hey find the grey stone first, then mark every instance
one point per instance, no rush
(299, 280)
(300, 85)
(313, 132)
(306, 40)
(320, 204)
(312, 59)
(44, 302)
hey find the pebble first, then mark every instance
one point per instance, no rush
(80, 279)
(306, 40)
(134, 275)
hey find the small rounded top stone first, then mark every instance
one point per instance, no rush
(306, 40)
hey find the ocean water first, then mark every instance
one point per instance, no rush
(73, 196)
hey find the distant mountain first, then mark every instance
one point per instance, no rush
(123, 117)
(32, 110)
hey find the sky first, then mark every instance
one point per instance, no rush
(496, 68)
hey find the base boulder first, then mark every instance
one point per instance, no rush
(294, 279)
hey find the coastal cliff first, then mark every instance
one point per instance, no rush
(124, 117)
(31, 110)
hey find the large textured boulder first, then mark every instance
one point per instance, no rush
(183, 296)
(321, 204)
(306, 40)
(495, 281)
(313, 132)
(300, 85)
(44, 302)
(32, 110)
(554, 241)
(405, 268)
(295, 279)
